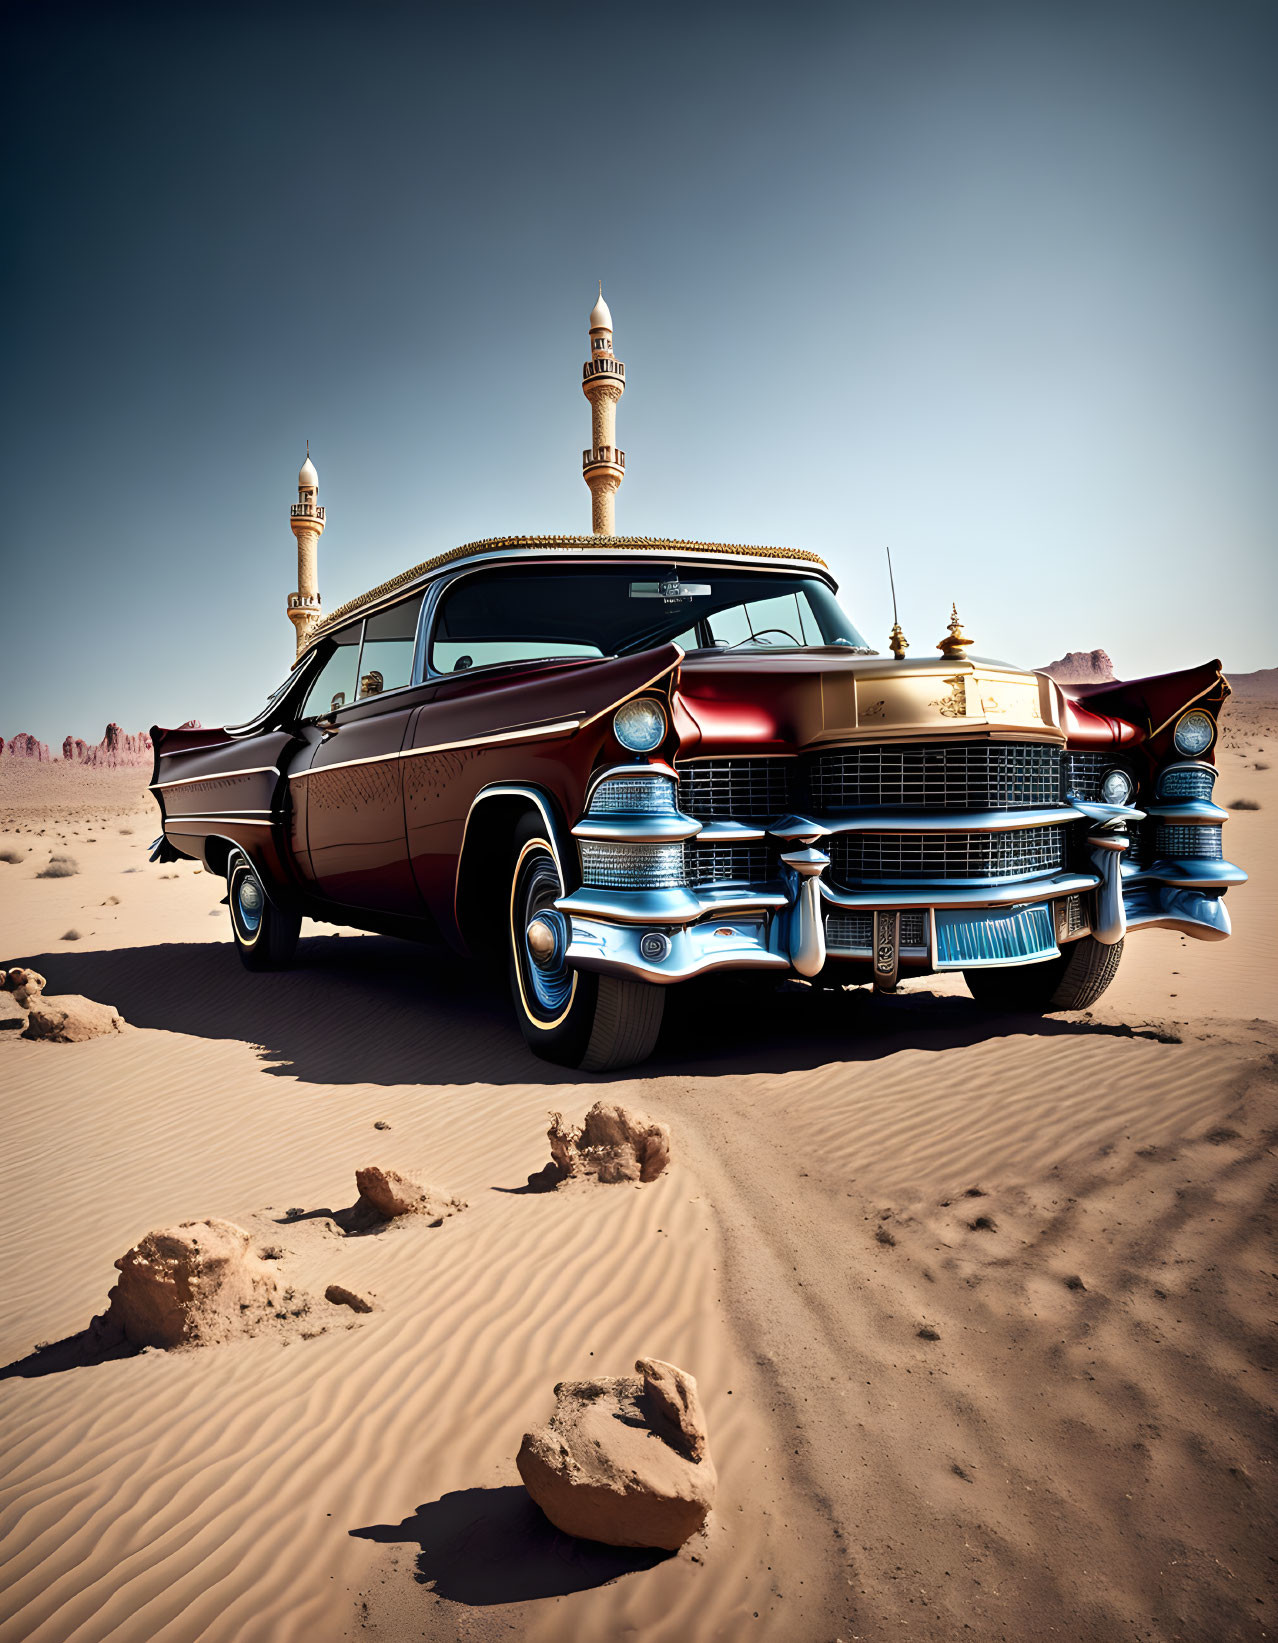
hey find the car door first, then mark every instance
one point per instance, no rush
(355, 719)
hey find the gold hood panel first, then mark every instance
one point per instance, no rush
(959, 697)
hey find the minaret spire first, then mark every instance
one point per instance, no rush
(306, 519)
(603, 381)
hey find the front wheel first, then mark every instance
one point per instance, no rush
(1072, 981)
(265, 937)
(572, 1017)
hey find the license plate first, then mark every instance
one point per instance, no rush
(969, 937)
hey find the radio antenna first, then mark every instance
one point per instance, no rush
(899, 643)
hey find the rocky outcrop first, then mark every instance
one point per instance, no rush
(62, 1018)
(25, 746)
(388, 1193)
(614, 1144)
(1081, 667)
(70, 1018)
(624, 1459)
(189, 1285)
(117, 747)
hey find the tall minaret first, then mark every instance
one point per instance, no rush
(603, 381)
(307, 520)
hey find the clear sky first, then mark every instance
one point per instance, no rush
(994, 283)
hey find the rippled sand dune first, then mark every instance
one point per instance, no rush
(981, 1309)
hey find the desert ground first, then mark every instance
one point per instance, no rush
(981, 1307)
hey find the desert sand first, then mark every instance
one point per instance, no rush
(980, 1308)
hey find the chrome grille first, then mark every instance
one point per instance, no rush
(1186, 782)
(726, 863)
(1075, 917)
(854, 932)
(1084, 773)
(1008, 855)
(1190, 843)
(739, 789)
(631, 866)
(945, 776)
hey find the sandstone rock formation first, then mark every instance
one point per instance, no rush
(1081, 667)
(70, 1018)
(193, 1284)
(614, 1144)
(25, 746)
(25, 984)
(624, 1459)
(390, 1193)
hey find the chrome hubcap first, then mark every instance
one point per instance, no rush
(542, 940)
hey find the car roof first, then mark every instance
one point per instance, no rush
(518, 547)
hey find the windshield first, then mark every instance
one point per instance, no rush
(532, 612)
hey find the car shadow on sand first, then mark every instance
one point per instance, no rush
(373, 1010)
(485, 1546)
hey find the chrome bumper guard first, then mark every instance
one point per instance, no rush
(673, 934)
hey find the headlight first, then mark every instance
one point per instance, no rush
(1193, 733)
(640, 725)
(1117, 787)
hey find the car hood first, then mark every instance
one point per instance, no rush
(732, 703)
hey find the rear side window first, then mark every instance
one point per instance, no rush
(386, 661)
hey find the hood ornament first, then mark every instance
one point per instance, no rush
(956, 643)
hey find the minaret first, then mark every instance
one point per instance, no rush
(307, 520)
(603, 381)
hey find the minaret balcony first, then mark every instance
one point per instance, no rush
(603, 456)
(307, 510)
(303, 601)
(604, 366)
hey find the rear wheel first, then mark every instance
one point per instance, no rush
(1073, 981)
(265, 937)
(568, 1016)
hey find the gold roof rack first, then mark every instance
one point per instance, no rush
(494, 544)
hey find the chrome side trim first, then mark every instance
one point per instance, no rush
(208, 747)
(216, 775)
(203, 815)
(245, 821)
(949, 895)
(563, 726)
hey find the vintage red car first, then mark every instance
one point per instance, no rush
(620, 763)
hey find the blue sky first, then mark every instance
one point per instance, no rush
(995, 284)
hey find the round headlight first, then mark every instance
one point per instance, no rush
(640, 725)
(1117, 787)
(1193, 733)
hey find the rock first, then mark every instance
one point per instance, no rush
(70, 1018)
(25, 746)
(624, 1459)
(391, 1193)
(1081, 667)
(339, 1295)
(192, 1284)
(614, 1144)
(25, 985)
(13, 1016)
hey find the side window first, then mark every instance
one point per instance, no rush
(334, 684)
(386, 662)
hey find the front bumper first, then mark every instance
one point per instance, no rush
(671, 935)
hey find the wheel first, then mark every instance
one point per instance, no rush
(1073, 981)
(265, 937)
(569, 1016)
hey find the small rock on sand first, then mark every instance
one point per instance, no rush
(624, 1459)
(13, 1017)
(614, 1144)
(69, 1018)
(339, 1295)
(392, 1193)
(192, 1284)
